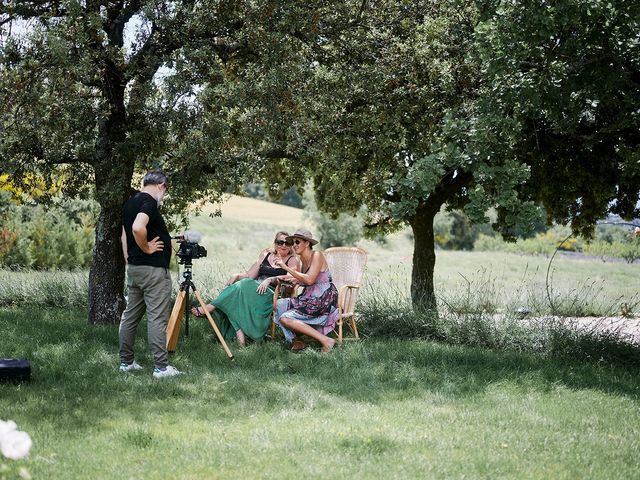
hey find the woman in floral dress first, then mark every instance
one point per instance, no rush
(314, 312)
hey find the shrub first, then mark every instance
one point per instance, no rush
(631, 251)
(59, 236)
(454, 231)
(333, 232)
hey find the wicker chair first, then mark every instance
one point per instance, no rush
(347, 265)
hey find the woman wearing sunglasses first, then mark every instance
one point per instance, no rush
(243, 309)
(314, 312)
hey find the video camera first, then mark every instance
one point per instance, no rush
(189, 248)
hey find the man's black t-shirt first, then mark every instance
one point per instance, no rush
(142, 202)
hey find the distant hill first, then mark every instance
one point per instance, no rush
(246, 209)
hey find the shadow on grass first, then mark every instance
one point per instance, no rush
(76, 384)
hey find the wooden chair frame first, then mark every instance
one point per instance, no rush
(348, 292)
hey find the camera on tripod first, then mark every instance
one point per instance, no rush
(189, 248)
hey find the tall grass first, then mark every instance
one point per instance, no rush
(44, 288)
(481, 315)
(479, 311)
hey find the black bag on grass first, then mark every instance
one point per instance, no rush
(15, 370)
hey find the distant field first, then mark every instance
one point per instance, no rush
(251, 210)
(248, 225)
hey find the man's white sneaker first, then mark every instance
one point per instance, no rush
(129, 367)
(167, 371)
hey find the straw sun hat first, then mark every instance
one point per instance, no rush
(304, 235)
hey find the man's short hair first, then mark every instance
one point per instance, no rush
(155, 177)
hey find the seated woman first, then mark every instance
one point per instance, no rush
(243, 309)
(314, 312)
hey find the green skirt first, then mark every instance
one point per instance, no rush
(241, 307)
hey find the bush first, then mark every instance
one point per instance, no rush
(487, 243)
(601, 248)
(631, 251)
(615, 241)
(60, 236)
(333, 232)
(289, 197)
(454, 231)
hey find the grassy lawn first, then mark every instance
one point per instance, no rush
(379, 408)
(372, 409)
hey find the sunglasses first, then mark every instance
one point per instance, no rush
(282, 243)
(298, 242)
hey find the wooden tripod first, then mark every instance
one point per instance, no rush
(181, 308)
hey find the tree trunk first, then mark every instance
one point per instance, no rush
(106, 276)
(424, 260)
(113, 167)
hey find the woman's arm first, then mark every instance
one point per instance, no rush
(255, 268)
(308, 278)
(295, 264)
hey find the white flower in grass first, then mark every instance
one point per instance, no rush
(6, 427)
(15, 444)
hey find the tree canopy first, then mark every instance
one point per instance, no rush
(563, 89)
(93, 91)
(405, 107)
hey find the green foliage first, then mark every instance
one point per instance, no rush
(344, 230)
(454, 231)
(88, 101)
(58, 236)
(614, 242)
(631, 251)
(289, 197)
(561, 100)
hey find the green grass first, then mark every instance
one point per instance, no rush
(379, 408)
(371, 409)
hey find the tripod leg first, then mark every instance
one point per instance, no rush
(173, 327)
(213, 324)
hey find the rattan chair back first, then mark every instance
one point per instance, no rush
(347, 266)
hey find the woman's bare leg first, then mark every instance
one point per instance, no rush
(242, 341)
(301, 327)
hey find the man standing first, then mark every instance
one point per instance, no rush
(146, 245)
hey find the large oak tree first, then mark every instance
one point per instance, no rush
(93, 91)
(407, 106)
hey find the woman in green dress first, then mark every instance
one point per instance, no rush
(243, 309)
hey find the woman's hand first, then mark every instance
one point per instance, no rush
(279, 262)
(234, 278)
(263, 286)
(199, 311)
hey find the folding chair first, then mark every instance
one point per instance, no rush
(347, 265)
